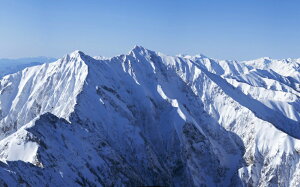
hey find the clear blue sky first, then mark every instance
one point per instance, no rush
(224, 29)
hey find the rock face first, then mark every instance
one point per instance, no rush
(150, 119)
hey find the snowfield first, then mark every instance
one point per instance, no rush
(146, 118)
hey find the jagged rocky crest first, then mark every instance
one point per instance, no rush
(150, 119)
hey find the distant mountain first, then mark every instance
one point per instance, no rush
(9, 66)
(146, 118)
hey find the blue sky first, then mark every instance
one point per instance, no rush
(233, 29)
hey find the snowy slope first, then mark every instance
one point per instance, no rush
(150, 119)
(9, 66)
(47, 88)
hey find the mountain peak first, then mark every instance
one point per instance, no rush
(265, 59)
(183, 121)
(77, 53)
(138, 50)
(190, 56)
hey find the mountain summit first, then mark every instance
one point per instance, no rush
(151, 119)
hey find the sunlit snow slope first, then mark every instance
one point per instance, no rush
(9, 66)
(150, 119)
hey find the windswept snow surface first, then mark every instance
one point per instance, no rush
(150, 119)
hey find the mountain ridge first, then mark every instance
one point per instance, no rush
(165, 120)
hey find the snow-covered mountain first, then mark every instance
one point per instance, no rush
(9, 66)
(150, 119)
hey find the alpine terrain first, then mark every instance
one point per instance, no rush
(151, 119)
(9, 66)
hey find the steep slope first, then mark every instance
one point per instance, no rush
(269, 152)
(9, 66)
(279, 92)
(133, 118)
(286, 67)
(149, 119)
(47, 88)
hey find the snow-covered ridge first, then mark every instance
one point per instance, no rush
(9, 66)
(36, 90)
(146, 118)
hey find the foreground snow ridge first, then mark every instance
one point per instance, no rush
(151, 119)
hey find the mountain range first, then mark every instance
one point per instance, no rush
(146, 118)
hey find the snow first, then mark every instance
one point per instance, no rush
(16, 147)
(146, 118)
(9, 66)
(47, 88)
(173, 102)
